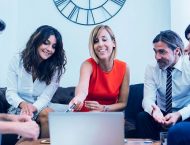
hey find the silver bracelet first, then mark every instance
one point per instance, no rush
(106, 108)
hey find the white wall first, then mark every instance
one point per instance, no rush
(180, 16)
(135, 26)
(8, 38)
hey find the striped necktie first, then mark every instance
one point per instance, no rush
(169, 90)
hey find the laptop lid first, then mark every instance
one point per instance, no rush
(86, 128)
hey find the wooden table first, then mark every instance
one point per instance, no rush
(129, 142)
(29, 142)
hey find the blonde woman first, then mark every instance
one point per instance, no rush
(104, 80)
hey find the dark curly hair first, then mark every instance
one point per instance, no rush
(187, 31)
(44, 70)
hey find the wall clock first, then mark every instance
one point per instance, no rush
(89, 12)
(2, 25)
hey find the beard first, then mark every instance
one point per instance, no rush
(163, 64)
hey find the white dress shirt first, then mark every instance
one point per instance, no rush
(20, 86)
(155, 87)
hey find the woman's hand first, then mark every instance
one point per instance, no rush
(78, 102)
(94, 106)
(27, 109)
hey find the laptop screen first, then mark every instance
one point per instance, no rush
(86, 128)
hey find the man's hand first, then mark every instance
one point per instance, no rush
(157, 114)
(19, 118)
(29, 129)
(172, 118)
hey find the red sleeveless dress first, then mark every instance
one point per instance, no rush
(104, 86)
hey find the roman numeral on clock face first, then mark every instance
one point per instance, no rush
(59, 2)
(119, 2)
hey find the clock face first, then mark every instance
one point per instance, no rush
(89, 12)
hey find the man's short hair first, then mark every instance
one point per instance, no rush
(171, 39)
(187, 31)
(2, 25)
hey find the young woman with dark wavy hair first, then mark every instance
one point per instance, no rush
(34, 75)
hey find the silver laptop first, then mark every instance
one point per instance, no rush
(86, 128)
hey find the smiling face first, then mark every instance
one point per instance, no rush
(47, 48)
(165, 56)
(187, 49)
(103, 45)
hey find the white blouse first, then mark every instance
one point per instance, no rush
(20, 86)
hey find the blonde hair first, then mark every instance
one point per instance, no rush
(93, 36)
